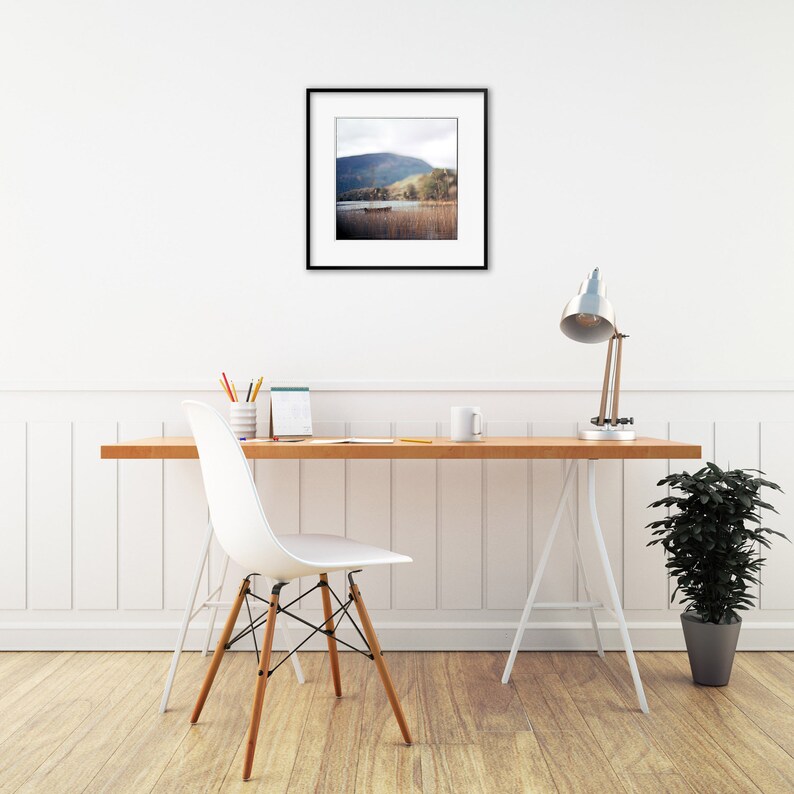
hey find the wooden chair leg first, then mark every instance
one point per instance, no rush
(333, 653)
(220, 650)
(380, 663)
(261, 681)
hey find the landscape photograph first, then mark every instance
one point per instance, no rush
(396, 179)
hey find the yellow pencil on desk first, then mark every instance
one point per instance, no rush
(417, 440)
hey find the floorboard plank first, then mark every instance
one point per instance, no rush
(494, 705)
(35, 690)
(762, 706)
(568, 722)
(202, 759)
(327, 758)
(620, 732)
(762, 759)
(286, 709)
(24, 751)
(140, 759)
(514, 763)
(577, 763)
(447, 716)
(772, 670)
(385, 762)
(697, 757)
(75, 762)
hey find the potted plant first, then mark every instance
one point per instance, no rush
(710, 535)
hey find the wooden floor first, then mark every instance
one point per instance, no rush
(73, 722)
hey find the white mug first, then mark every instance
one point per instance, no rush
(466, 423)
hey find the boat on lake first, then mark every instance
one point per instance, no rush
(377, 209)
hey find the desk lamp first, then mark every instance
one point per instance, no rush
(590, 318)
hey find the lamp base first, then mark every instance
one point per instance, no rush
(607, 434)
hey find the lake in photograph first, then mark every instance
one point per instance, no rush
(396, 179)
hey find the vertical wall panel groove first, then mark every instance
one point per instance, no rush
(506, 533)
(644, 572)
(13, 519)
(547, 479)
(777, 461)
(368, 512)
(701, 433)
(95, 517)
(414, 516)
(50, 515)
(322, 507)
(140, 524)
(609, 506)
(185, 515)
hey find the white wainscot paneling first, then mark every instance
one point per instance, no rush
(50, 515)
(368, 519)
(777, 443)
(94, 520)
(140, 562)
(507, 528)
(322, 507)
(99, 554)
(414, 523)
(13, 524)
(645, 580)
(547, 479)
(185, 517)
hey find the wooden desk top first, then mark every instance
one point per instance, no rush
(518, 448)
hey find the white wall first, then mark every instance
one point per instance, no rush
(152, 233)
(152, 161)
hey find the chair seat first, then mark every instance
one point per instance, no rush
(333, 553)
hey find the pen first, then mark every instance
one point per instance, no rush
(250, 387)
(417, 440)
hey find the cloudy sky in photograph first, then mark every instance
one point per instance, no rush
(433, 140)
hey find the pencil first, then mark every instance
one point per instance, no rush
(225, 390)
(248, 396)
(417, 440)
(234, 392)
(256, 388)
(228, 388)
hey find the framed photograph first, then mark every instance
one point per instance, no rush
(397, 179)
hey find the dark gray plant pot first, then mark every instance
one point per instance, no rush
(711, 647)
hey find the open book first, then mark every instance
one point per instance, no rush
(353, 441)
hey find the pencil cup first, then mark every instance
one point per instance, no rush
(242, 418)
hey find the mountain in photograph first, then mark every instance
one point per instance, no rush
(376, 170)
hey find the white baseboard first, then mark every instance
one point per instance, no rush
(448, 636)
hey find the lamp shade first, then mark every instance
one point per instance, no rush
(589, 317)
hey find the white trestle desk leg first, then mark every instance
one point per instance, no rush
(538, 576)
(613, 590)
(216, 595)
(180, 641)
(580, 564)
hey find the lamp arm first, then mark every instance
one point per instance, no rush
(602, 413)
(616, 387)
(610, 391)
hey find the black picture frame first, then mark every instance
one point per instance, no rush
(314, 266)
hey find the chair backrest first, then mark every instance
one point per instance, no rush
(237, 516)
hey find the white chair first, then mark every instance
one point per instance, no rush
(244, 533)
